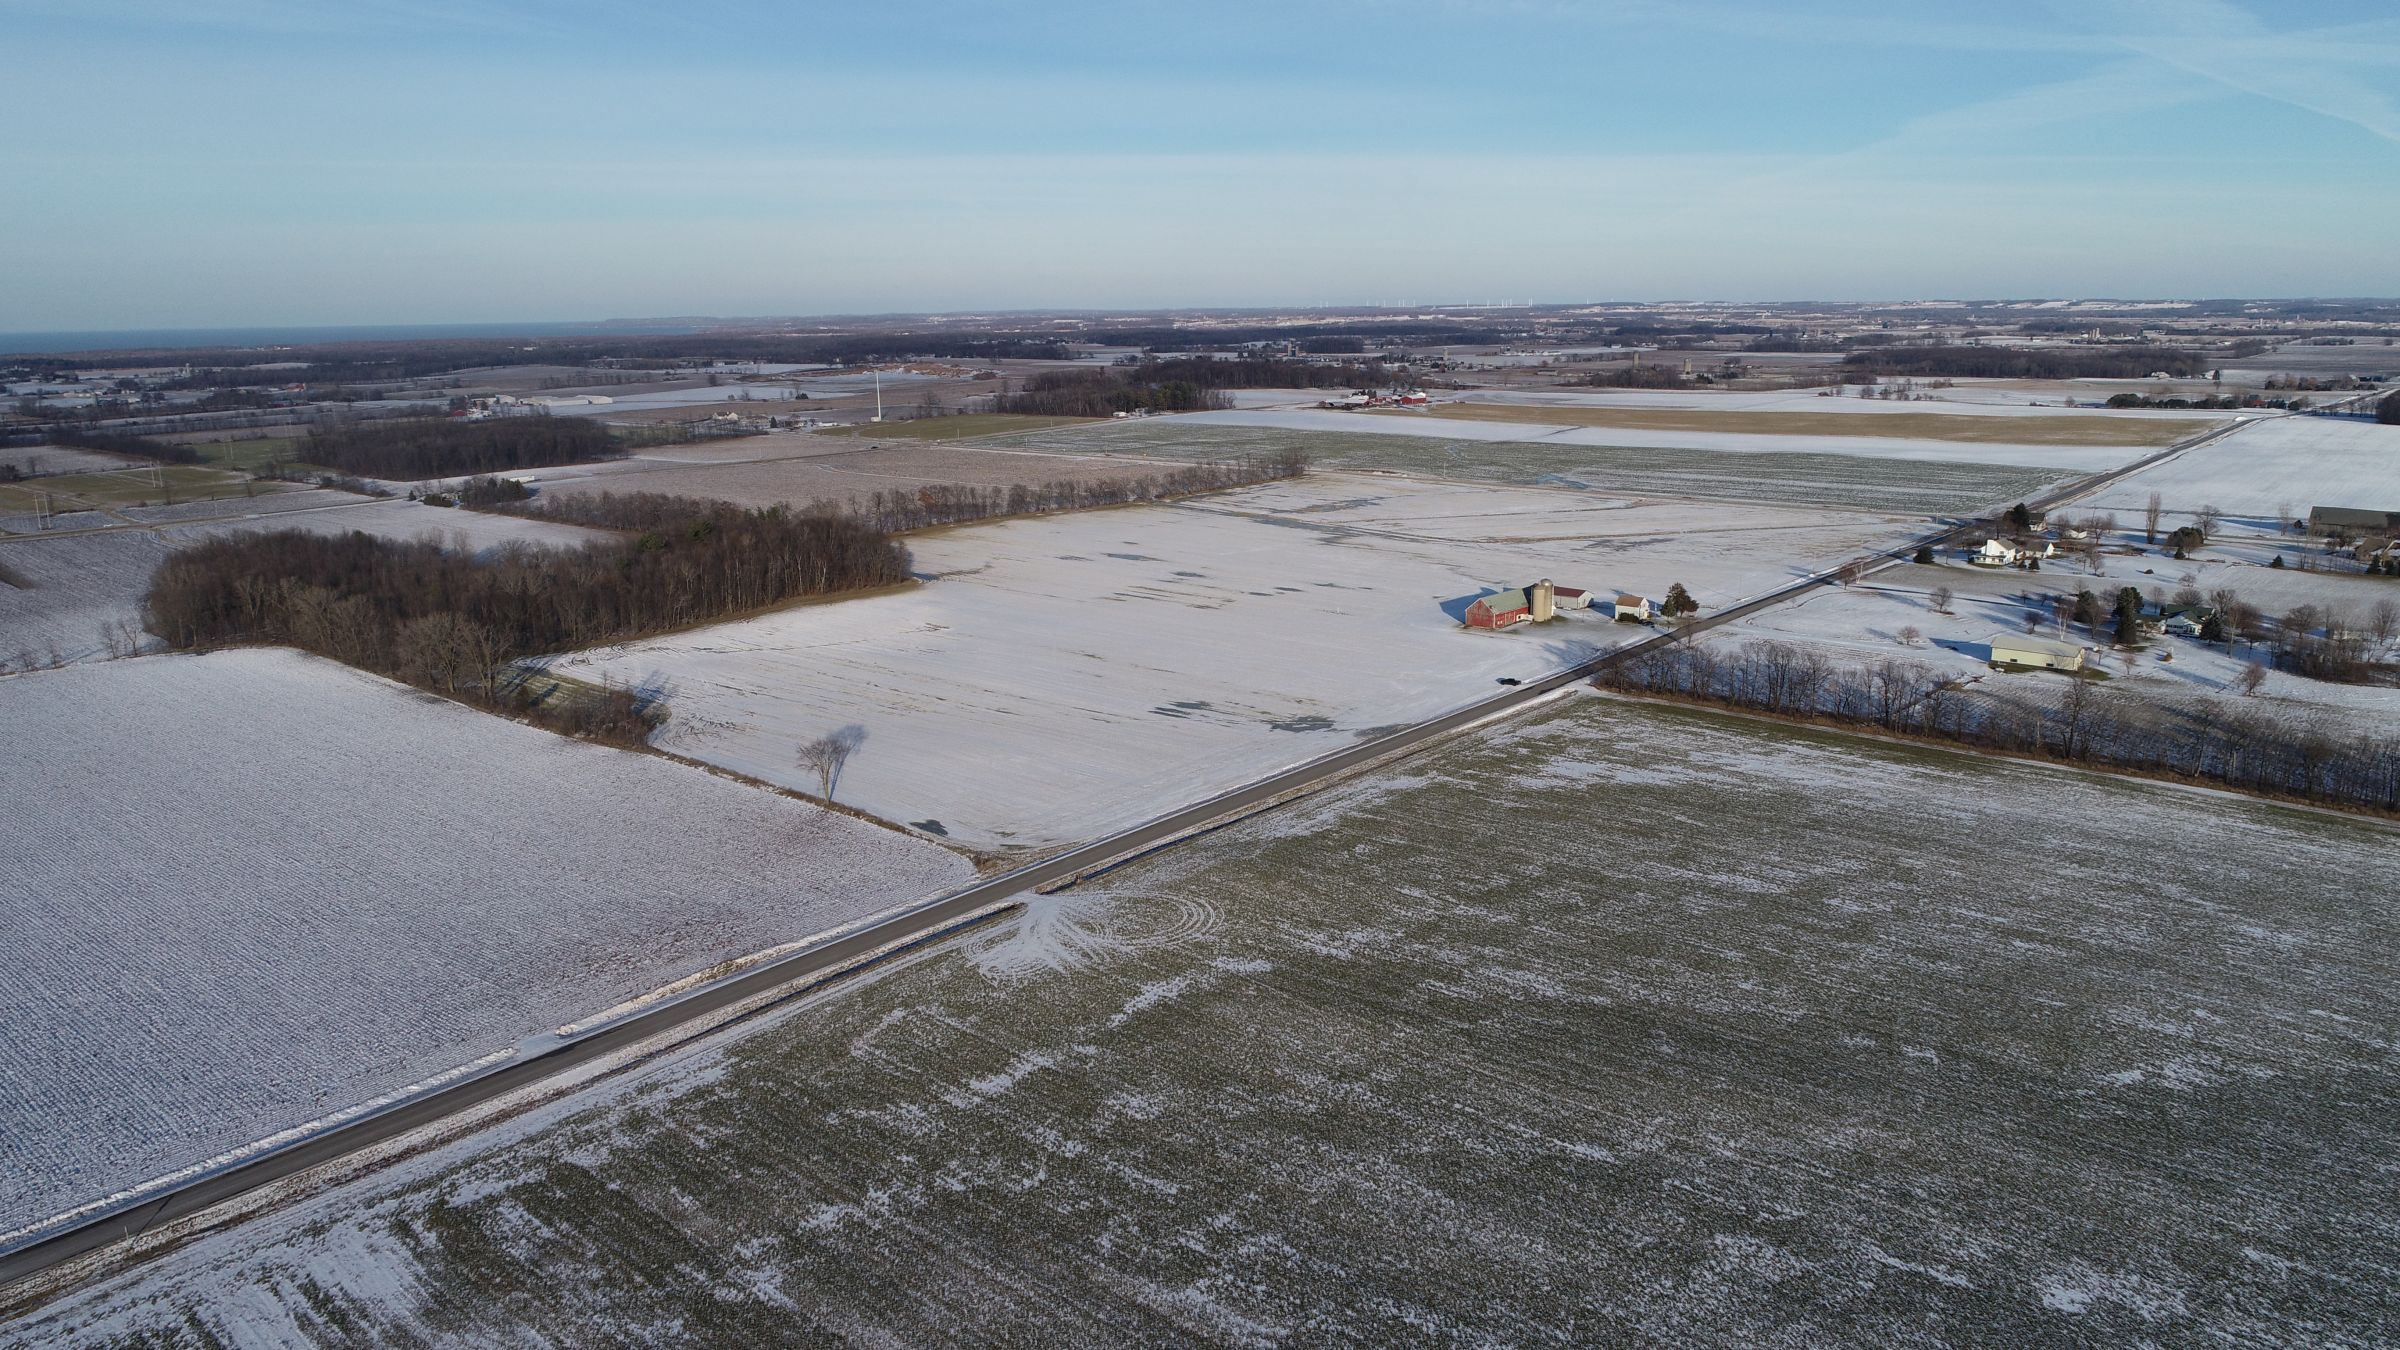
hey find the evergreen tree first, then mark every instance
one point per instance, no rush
(2129, 617)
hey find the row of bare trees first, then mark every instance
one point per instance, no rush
(2231, 743)
(453, 621)
(894, 510)
(440, 447)
(2129, 361)
(1101, 393)
(1180, 383)
(900, 509)
(120, 443)
(2322, 643)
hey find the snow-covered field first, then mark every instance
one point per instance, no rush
(1990, 398)
(838, 470)
(269, 499)
(1063, 676)
(396, 518)
(57, 459)
(1617, 1026)
(273, 499)
(2295, 462)
(89, 582)
(734, 394)
(1825, 475)
(2067, 459)
(84, 586)
(241, 891)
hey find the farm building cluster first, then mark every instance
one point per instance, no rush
(2012, 553)
(1541, 602)
(2156, 618)
(2343, 522)
(2372, 538)
(1361, 399)
(2026, 539)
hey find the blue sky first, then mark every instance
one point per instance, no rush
(220, 162)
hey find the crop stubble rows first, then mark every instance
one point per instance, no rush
(1636, 1024)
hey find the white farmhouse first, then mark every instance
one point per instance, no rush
(2002, 553)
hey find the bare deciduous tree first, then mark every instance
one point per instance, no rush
(445, 650)
(2074, 710)
(1940, 596)
(2252, 676)
(1910, 637)
(2150, 514)
(824, 756)
(2298, 622)
(828, 753)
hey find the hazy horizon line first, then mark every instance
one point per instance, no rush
(13, 341)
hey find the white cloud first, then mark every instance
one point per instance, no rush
(2220, 42)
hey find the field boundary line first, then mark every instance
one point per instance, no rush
(2361, 816)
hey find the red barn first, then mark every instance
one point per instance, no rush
(1500, 609)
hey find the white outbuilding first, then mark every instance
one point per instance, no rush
(2037, 653)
